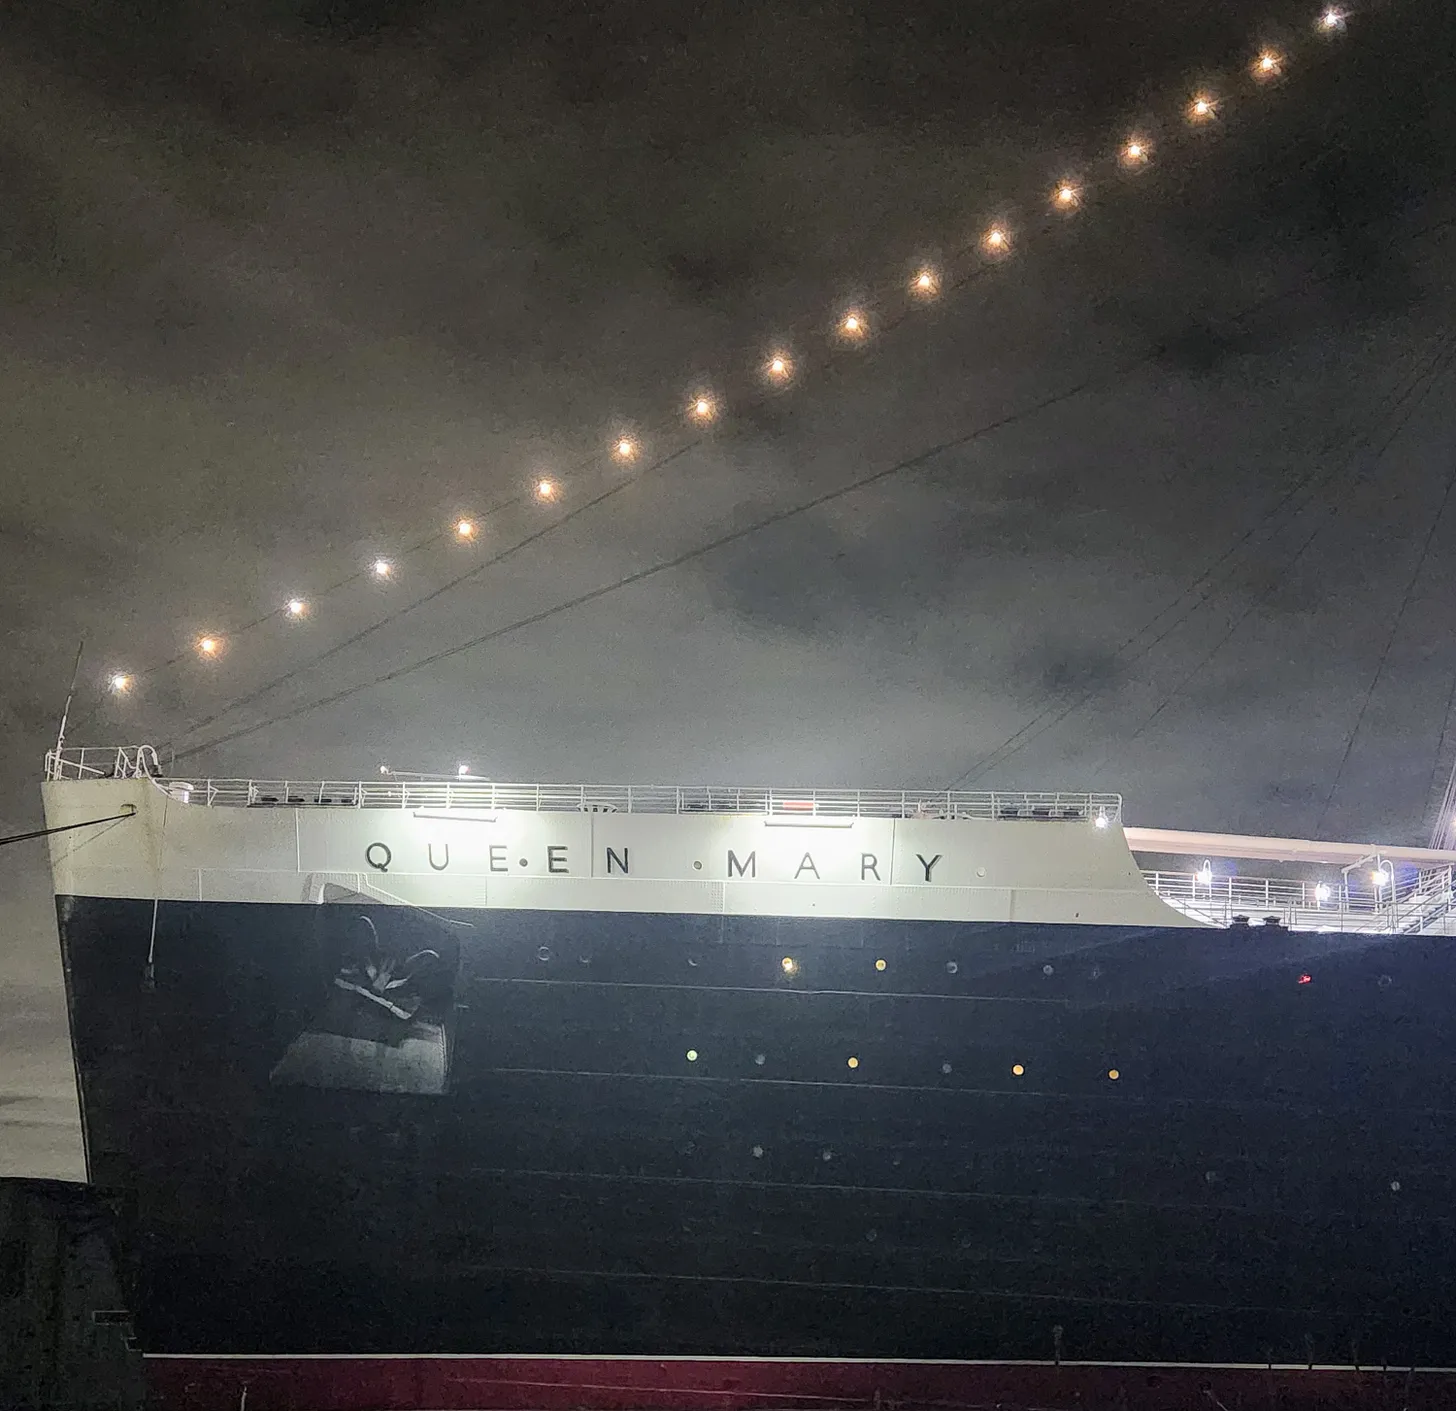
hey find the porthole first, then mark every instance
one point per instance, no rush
(544, 953)
(1048, 970)
(951, 967)
(757, 1152)
(852, 1061)
(692, 1055)
(879, 965)
(827, 1154)
(872, 1235)
(760, 1059)
(945, 1067)
(1395, 1185)
(1114, 1074)
(1017, 1070)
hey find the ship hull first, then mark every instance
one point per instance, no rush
(574, 1157)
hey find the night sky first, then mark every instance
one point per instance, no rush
(286, 288)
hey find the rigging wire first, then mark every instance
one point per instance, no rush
(1314, 281)
(1405, 603)
(1057, 711)
(914, 462)
(1448, 356)
(1443, 830)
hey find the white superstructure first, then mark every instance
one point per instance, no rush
(995, 856)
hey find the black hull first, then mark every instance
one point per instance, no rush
(541, 1168)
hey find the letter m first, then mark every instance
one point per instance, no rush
(747, 868)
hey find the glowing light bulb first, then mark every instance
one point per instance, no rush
(852, 325)
(997, 240)
(625, 449)
(120, 683)
(1202, 108)
(1331, 20)
(789, 965)
(461, 771)
(1113, 1074)
(926, 284)
(384, 769)
(703, 409)
(853, 1062)
(465, 529)
(1101, 820)
(1321, 893)
(383, 568)
(1017, 1070)
(692, 1055)
(1134, 152)
(1205, 875)
(209, 646)
(1067, 197)
(547, 490)
(780, 367)
(296, 607)
(879, 965)
(1379, 877)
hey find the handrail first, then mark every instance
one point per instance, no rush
(1417, 903)
(393, 793)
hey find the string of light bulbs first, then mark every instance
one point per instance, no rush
(782, 366)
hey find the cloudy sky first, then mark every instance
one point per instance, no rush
(289, 287)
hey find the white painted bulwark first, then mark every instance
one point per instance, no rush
(1058, 870)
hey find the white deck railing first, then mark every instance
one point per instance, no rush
(1419, 902)
(396, 793)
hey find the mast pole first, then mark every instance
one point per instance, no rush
(70, 694)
